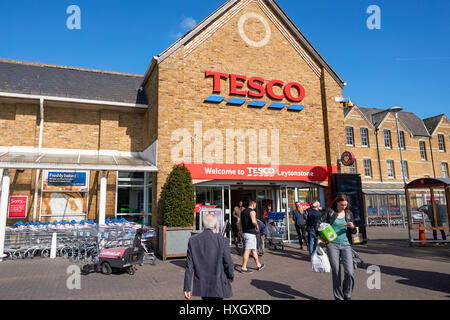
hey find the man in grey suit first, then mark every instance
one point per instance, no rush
(209, 262)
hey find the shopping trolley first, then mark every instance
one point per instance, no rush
(276, 229)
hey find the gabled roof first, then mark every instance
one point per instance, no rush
(348, 110)
(408, 119)
(28, 78)
(433, 123)
(222, 10)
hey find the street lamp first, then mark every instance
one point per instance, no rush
(396, 110)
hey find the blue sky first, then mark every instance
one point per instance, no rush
(405, 63)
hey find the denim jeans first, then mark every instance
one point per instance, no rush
(336, 252)
(312, 239)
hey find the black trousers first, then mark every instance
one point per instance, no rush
(211, 299)
(301, 232)
(442, 234)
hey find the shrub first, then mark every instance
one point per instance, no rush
(177, 202)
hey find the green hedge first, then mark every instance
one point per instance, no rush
(177, 202)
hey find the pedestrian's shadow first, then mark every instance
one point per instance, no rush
(279, 290)
(290, 254)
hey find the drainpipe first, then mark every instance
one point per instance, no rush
(38, 172)
(432, 158)
(378, 155)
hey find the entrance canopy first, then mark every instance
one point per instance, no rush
(383, 188)
(65, 161)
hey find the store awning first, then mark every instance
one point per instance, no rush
(383, 188)
(63, 161)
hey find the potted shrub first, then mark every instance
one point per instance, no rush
(176, 210)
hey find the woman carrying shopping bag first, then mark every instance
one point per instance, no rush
(341, 220)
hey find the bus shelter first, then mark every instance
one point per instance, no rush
(428, 209)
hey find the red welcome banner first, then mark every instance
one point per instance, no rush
(259, 172)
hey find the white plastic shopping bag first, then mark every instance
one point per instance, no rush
(319, 261)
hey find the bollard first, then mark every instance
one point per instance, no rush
(53, 249)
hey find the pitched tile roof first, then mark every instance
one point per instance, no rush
(433, 122)
(69, 82)
(409, 119)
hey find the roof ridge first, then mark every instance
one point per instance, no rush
(41, 64)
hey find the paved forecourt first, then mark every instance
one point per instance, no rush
(406, 273)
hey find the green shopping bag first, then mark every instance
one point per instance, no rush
(327, 232)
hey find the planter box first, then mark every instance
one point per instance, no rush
(173, 242)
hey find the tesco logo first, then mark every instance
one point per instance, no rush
(257, 87)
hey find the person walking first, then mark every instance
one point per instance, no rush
(261, 236)
(299, 218)
(209, 263)
(237, 232)
(265, 217)
(313, 215)
(341, 219)
(250, 229)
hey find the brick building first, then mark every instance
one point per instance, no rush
(371, 134)
(243, 99)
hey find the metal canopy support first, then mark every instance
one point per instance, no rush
(4, 211)
(102, 209)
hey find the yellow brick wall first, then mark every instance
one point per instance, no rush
(439, 156)
(183, 88)
(417, 168)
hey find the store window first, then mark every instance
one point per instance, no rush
(387, 139)
(423, 151)
(371, 205)
(364, 137)
(368, 168)
(131, 188)
(350, 136)
(390, 169)
(441, 142)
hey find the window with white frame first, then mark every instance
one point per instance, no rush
(350, 136)
(364, 137)
(390, 168)
(444, 169)
(405, 169)
(401, 140)
(423, 150)
(353, 168)
(387, 138)
(368, 168)
(441, 142)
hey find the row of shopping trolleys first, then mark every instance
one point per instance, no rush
(77, 241)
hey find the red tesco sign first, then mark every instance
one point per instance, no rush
(258, 87)
(18, 207)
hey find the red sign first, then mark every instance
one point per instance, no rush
(199, 206)
(348, 158)
(257, 86)
(18, 207)
(259, 172)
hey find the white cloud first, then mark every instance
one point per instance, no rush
(188, 23)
